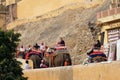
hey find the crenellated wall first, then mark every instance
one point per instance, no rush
(98, 71)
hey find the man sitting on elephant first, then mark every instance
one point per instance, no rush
(61, 42)
(96, 54)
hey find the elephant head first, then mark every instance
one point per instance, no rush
(58, 59)
(36, 60)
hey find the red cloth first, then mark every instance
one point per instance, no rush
(61, 48)
(97, 52)
(27, 54)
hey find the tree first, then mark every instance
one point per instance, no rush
(9, 67)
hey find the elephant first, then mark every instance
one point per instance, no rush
(94, 60)
(60, 59)
(36, 60)
(21, 55)
(95, 55)
(57, 59)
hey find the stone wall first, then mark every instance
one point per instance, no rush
(34, 11)
(100, 71)
(33, 8)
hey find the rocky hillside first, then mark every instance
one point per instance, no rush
(72, 25)
(2, 16)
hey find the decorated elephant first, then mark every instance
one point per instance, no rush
(95, 59)
(58, 59)
(36, 60)
(95, 55)
(61, 59)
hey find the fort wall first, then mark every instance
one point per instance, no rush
(97, 71)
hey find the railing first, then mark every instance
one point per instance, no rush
(109, 12)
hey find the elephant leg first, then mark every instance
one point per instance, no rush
(50, 61)
(58, 60)
(38, 61)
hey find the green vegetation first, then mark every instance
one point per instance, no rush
(9, 68)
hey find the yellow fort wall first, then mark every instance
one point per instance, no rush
(32, 8)
(100, 71)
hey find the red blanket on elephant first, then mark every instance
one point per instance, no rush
(61, 48)
(30, 53)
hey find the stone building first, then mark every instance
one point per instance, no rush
(9, 10)
(109, 21)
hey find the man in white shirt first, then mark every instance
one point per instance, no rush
(42, 46)
(26, 66)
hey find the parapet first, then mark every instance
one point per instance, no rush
(94, 71)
